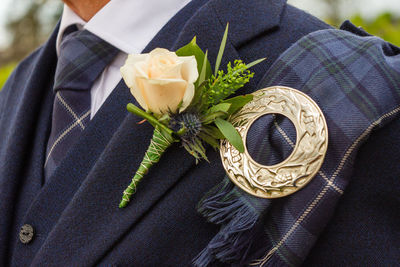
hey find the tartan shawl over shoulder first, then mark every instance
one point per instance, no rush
(355, 80)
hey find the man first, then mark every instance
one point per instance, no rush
(69, 215)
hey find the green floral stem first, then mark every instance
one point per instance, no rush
(153, 121)
(159, 143)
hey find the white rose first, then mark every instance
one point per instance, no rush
(160, 80)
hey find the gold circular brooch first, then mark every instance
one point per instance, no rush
(304, 162)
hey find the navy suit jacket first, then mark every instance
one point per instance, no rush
(75, 213)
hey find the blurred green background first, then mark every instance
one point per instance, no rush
(25, 24)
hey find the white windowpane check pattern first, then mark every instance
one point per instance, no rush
(83, 57)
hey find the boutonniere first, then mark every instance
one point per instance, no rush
(184, 101)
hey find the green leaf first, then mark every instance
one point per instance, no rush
(224, 107)
(199, 87)
(221, 50)
(230, 133)
(164, 119)
(227, 83)
(209, 140)
(196, 149)
(213, 131)
(255, 62)
(192, 49)
(203, 71)
(212, 117)
(237, 102)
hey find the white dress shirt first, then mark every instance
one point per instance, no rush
(129, 25)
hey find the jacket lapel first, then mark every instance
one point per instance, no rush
(87, 187)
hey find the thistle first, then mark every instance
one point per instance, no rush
(192, 127)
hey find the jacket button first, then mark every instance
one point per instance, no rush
(26, 233)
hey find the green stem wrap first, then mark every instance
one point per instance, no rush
(158, 145)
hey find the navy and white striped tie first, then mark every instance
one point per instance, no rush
(83, 57)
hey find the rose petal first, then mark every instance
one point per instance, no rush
(162, 95)
(188, 97)
(141, 69)
(164, 64)
(128, 70)
(163, 52)
(189, 69)
(128, 75)
(137, 93)
(165, 71)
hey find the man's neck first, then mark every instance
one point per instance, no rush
(86, 9)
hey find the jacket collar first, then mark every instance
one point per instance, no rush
(85, 190)
(243, 26)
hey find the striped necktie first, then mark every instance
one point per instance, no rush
(83, 57)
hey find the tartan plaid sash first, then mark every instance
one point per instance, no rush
(355, 80)
(83, 57)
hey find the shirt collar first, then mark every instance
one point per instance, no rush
(126, 24)
(68, 18)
